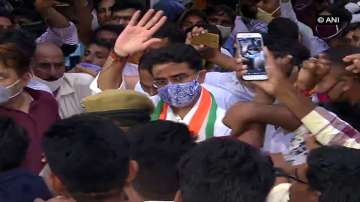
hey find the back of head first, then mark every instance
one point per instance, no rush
(337, 54)
(335, 172)
(88, 154)
(174, 53)
(157, 147)
(13, 144)
(127, 4)
(225, 170)
(281, 28)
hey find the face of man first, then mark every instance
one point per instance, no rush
(354, 37)
(191, 21)
(122, 17)
(96, 54)
(49, 62)
(5, 23)
(104, 11)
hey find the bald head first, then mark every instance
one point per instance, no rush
(48, 62)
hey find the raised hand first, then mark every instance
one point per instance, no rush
(137, 36)
(312, 71)
(354, 59)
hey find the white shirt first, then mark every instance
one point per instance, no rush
(71, 92)
(229, 82)
(219, 129)
(94, 87)
(279, 193)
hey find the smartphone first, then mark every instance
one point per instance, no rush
(250, 47)
(208, 39)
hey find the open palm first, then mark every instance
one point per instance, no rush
(137, 36)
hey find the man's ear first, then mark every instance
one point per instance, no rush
(133, 170)
(26, 78)
(178, 197)
(201, 77)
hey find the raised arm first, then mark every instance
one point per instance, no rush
(83, 12)
(51, 16)
(136, 37)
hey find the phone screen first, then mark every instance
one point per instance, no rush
(251, 48)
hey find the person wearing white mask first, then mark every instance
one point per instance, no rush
(68, 88)
(33, 110)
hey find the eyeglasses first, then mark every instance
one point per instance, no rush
(280, 173)
(181, 78)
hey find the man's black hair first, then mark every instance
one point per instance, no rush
(23, 40)
(173, 53)
(170, 31)
(225, 170)
(157, 147)
(337, 54)
(127, 4)
(89, 154)
(334, 171)
(30, 14)
(6, 15)
(102, 43)
(117, 29)
(192, 12)
(13, 144)
(284, 47)
(283, 28)
(221, 10)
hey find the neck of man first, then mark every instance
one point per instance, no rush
(21, 102)
(183, 111)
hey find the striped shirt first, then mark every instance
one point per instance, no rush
(329, 129)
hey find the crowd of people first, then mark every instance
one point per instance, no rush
(117, 100)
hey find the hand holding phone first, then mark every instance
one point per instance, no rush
(250, 47)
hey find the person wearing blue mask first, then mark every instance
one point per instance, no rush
(177, 72)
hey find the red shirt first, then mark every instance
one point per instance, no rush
(42, 114)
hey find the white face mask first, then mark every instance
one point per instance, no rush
(9, 92)
(225, 31)
(53, 85)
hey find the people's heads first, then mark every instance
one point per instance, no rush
(248, 8)
(339, 84)
(48, 64)
(14, 71)
(122, 11)
(89, 158)
(28, 20)
(97, 52)
(174, 68)
(191, 18)
(223, 17)
(225, 170)
(283, 28)
(157, 147)
(103, 10)
(108, 33)
(13, 144)
(6, 21)
(331, 175)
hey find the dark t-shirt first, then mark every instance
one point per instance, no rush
(42, 114)
(22, 186)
